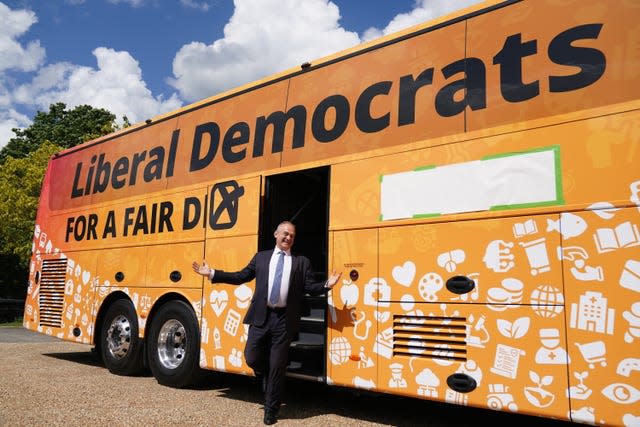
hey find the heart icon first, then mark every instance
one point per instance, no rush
(404, 274)
(85, 277)
(218, 301)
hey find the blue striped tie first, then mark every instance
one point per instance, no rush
(277, 281)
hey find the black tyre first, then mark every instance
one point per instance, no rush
(174, 345)
(120, 347)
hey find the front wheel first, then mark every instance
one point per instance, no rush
(174, 345)
(120, 346)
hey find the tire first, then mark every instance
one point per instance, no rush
(120, 347)
(174, 345)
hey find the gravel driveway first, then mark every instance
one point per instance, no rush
(44, 381)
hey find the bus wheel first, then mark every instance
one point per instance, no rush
(174, 345)
(120, 346)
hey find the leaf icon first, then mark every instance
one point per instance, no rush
(546, 380)
(521, 327)
(534, 377)
(504, 326)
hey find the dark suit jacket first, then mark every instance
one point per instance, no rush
(300, 282)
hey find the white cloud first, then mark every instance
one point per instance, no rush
(10, 119)
(262, 37)
(12, 54)
(116, 85)
(199, 5)
(133, 3)
(423, 10)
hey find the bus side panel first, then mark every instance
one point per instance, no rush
(601, 256)
(60, 298)
(353, 312)
(223, 335)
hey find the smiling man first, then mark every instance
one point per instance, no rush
(282, 280)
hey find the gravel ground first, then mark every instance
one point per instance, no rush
(44, 381)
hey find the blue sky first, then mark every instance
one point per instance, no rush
(141, 58)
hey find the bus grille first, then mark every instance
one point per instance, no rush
(51, 298)
(430, 337)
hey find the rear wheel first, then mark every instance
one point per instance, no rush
(120, 346)
(174, 345)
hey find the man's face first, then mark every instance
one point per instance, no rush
(285, 235)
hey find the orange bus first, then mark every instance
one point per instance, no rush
(475, 178)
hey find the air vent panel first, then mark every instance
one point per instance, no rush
(51, 297)
(430, 337)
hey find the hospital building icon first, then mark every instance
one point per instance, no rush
(592, 314)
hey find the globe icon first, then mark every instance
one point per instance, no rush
(339, 350)
(547, 301)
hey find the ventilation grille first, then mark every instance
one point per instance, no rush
(51, 299)
(430, 337)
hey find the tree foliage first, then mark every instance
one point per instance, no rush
(65, 128)
(20, 183)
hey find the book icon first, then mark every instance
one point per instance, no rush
(525, 228)
(624, 235)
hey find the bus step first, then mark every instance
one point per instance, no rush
(308, 341)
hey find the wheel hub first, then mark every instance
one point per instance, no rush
(172, 341)
(119, 337)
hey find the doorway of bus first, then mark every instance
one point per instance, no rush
(302, 198)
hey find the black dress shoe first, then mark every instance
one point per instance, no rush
(270, 418)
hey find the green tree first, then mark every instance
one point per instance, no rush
(20, 183)
(65, 128)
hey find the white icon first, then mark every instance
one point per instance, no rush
(551, 353)
(521, 229)
(356, 324)
(515, 330)
(630, 420)
(547, 301)
(624, 235)
(628, 365)
(429, 286)
(204, 331)
(630, 276)
(592, 314)
(216, 338)
(384, 343)
(569, 225)
(536, 251)
(506, 361)
(86, 276)
(634, 187)
(218, 362)
(498, 256)
(538, 396)
(43, 239)
(584, 415)
(455, 397)
(145, 302)
(235, 358)
(339, 350)
(232, 322)
(500, 398)
(396, 380)
(377, 293)
(245, 334)
(68, 287)
(483, 337)
(404, 274)
(500, 298)
(381, 316)
(580, 391)
(471, 368)
(243, 296)
(360, 382)
(36, 231)
(203, 358)
(364, 361)
(428, 383)
(633, 317)
(78, 271)
(450, 260)
(218, 301)
(580, 270)
(624, 394)
(593, 352)
(349, 293)
(49, 247)
(604, 210)
(407, 302)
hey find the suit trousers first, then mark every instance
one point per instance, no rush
(267, 353)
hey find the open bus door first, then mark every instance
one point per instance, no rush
(302, 198)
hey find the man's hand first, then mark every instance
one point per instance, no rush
(203, 269)
(333, 279)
